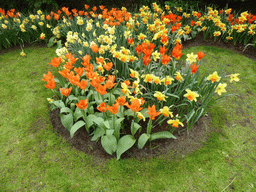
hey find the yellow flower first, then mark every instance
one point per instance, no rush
(39, 12)
(125, 89)
(216, 33)
(167, 80)
(156, 55)
(50, 100)
(22, 54)
(160, 96)
(134, 74)
(178, 76)
(221, 88)
(175, 123)
(80, 22)
(148, 78)
(214, 77)
(234, 77)
(156, 80)
(191, 57)
(141, 116)
(191, 95)
(142, 36)
(165, 111)
(41, 23)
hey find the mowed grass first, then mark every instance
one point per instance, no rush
(33, 158)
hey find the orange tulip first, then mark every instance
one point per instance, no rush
(83, 84)
(114, 108)
(176, 52)
(165, 59)
(48, 77)
(101, 89)
(108, 66)
(95, 48)
(82, 104)
(135, 105)
(152, 112)
(66, 91)
(103, 107)
(55, 62)
(121, 100)
(194, 68)
(50, 84)
(200, 55)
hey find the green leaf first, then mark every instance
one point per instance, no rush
(51, 42)
(143, 140)
(59, 104)
(73, 98)
(125, 143)
(67, 120)
(106, 123)
(169, 94)
(162, 135)
(59, 44)
(189, 115)
(110, 131)
(75, 127)
(89, 121)
(129, 112)
(98, 133)
(65, 110)
(77, 114)
(109, 143)
(135, 127)
(99, 121)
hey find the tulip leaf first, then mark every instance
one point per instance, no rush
(109, 143)
(125, 143)
(98, 133)
(162, 135)
(134, 127)
(67, 120)
(75, 127)
(143, 140)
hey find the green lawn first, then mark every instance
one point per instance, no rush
(33, 158)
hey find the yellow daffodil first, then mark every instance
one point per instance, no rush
(141, 116)
(175, 123)
(22, 54)
(178, 76)
(191, 95)
(167, 80)
(221, 88)
(191, 57)
(214, 77)
(160, 96)
(165, 111)
(234, 77)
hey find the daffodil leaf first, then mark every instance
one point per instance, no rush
(189, 115)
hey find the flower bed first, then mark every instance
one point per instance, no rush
(117, 70)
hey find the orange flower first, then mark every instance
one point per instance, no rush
(127, 82)
(164, 39)
(100, 60)
(66, 91)
(55, 62)
(130, 40)
(86, 6)
(108, 66)
(121, 100)
(94, 8)
(135, 105)
(64, 72)
(50, 84)
(165, 59)
(95, 48)
(82, 104)
(79, 71)
(176, 52)
(101, 89)
(83, 84)
(86, 60)
(48, 77)
(114, 108)
(152, 112)
(146, 60)
(192, 23)
(163, 50)
(103, 107)
(200, 55)
(109, 84)
(194, 68)
(48, 17)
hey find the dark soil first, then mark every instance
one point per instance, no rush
(184, 144)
